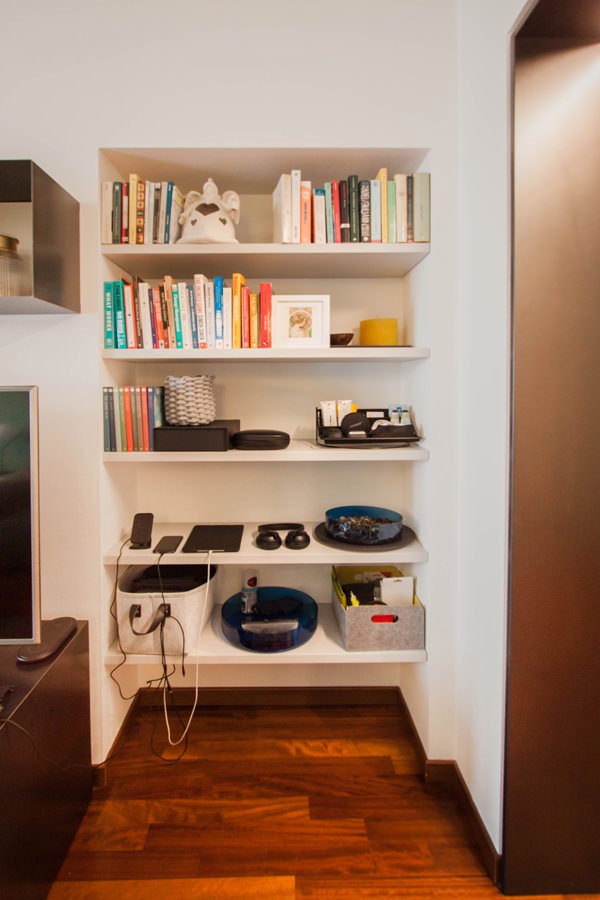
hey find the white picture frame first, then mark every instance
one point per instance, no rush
(300, 321)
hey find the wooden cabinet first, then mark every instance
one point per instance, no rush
(44, 219)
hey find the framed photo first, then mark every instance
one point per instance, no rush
(300, 321)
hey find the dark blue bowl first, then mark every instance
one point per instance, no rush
(363, 524)
(283, 619)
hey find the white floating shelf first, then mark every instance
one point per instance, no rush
(249, 554)
(329, 354)
(268, 260)
(297, 451)
(324, 647)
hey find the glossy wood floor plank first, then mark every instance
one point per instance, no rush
(276, 803)
(177, 889)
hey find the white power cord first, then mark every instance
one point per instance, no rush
(197, 679)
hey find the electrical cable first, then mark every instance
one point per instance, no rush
(114, 615)
(197, 679)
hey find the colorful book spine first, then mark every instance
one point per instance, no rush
(245, 317)
(218, 296)
(391, 212)
(319, 235)
(335, 203)
(329, 227)
(151, 423)
(344, 211)
(410, 233)
(199, 283)
(117, 212)
(209, 302)
(375, 211)
(164, 313)
(130, 321)
(296, 181)
(353, 208)
(149, 212)
(129, 441)
(140, 207)
(106, 212)
(158, 318)
(108, 416)
(166, 231)
(145, 314)
(421, 203)
(122, 438)
(119, 304)
(133, 192)
(176, 316)
(227, 317)
(187, 305)
(237, 282)
(282, 210)
(124, 212)
(364, 194)
(400, 181)
(145, 425)
(110, 341)
(254, 321)
(382, 178)
(265, 312)
(305, 212)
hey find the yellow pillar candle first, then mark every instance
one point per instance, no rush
(379, 332)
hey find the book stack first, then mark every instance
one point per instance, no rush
(382, 209)
(204, 313)
(130, 415)
(140, 212)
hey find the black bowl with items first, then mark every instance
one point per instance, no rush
(363, 524)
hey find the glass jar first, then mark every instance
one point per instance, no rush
(13, 274)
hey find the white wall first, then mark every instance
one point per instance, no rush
(327, 73)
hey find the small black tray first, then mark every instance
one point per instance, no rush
(386, 436)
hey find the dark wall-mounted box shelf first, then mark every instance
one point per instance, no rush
(45, 220)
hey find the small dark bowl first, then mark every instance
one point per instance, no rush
(363, 524)
(341, 339)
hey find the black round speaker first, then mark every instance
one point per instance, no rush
(260, 439)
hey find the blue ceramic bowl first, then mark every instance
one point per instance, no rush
(363, 524)
(283, 618)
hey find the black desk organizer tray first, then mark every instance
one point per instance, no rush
(364, 434)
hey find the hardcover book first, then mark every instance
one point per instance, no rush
(282, 210)
(375, 211)
(364, 193)
(421, 214)
(296, 181)
(401, 208)
(319, 235)
(218, 299)
(305, 212)
(353, 207)
(382, 178)
(344, 212)
(265, 301)
(109, 317)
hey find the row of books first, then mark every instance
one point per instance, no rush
(140, 212)
(383, 209)
(130, 415)
(202, 314)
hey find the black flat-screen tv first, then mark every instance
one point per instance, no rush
(20, 614)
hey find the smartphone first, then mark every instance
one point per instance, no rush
(169, 543)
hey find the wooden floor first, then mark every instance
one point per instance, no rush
(272, 803)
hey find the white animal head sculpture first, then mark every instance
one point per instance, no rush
(208, 218)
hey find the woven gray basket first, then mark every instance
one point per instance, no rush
(190, 400)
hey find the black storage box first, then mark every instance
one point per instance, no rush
(216, 436)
